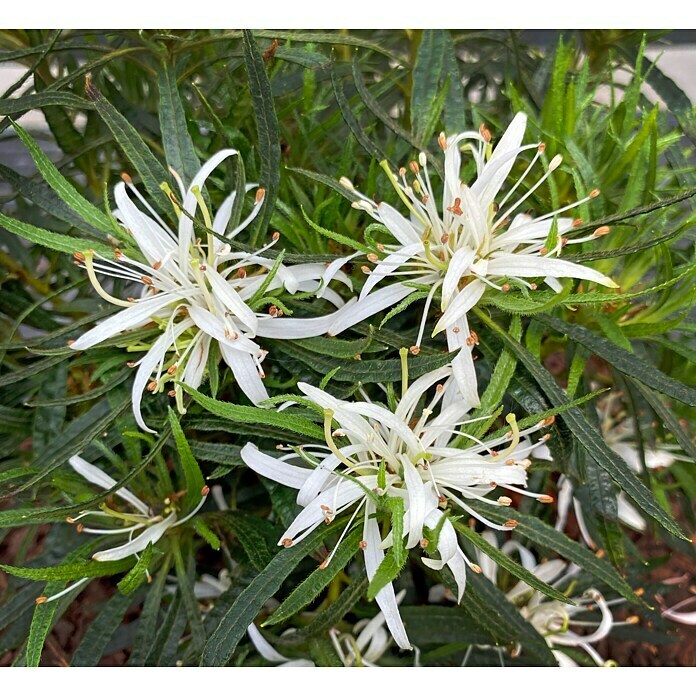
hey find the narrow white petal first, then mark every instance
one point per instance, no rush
(533, 266)
(563, 659)
(152, 240)
(272, 468)
(385, 598)
(352, 314)
(224, 212)
(488, 184)
(151, 535)
(465, 377)
(458, 266)
(628, 514)
(246, 373)
(333, 269)
(95, 475)
(336, 498)
(398, 225)
(147, 365)
(264, 648)
(289, 328)
(129, 318)
(460, 305)
(197, 362)
(416, 502)
(318, 477)
(214, 326)
(191, 203)
(390, 265)
(223, 290)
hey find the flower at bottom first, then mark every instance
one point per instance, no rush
(406, 465)
(141, 525)
(557, 622)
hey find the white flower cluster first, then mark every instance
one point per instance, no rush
(414, 465)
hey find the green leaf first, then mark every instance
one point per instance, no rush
(497, 385)
(45, 614)
(28, 102)
(148, 167)
(203, 530)
(545, 536)
(71, 571)
(613, 331)
(249, 533)
(137, 574)
(408, 300)
(620, 217)
(184, 571)
(669, 420)
(505, 622)
(193, 477)
(178, 147)
(336, 236)
(326, 181)
(225, 638)
(100, 632)
(427, 76)
(337, 347)
(504, 561)
(365, 371)
(310, 588)
(623, 361)
(53, 240)
(351, 121)
(374, 106)
(586, 435)
(267, 125)
(65, 190)
(250, 414)
(147, 623)
(396, 556)
(331, 616)
(32, 515)
(438, 625)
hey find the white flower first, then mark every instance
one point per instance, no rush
(141, 525)
(362, 647)
(469, 244)
(683, 617)
(409, 454)
(556, 621)
(196, 292)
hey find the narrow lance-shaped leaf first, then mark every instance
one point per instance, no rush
(504, 561)
(251, 414)
(222, 643)
(268, 132)
(150, 170)
(100, 632)
(53, 240)
(193, 477)
(623, 361)
(310, 588)
(586, 435)
(178, 147)
(546, 537)
(65, 190)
